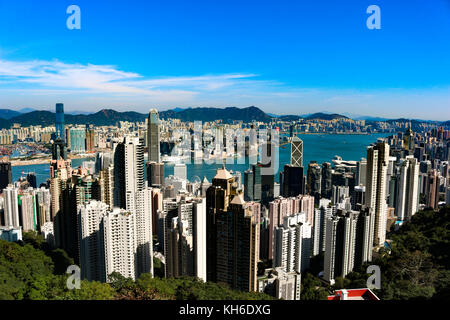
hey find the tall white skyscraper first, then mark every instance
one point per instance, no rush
(120, 242)
(92, 255)
(340, 245)
(134, 169)
(293, 244)
(144, 233)
(320, 218)
(377, 164)
(11, 206)
(408, 189)
(28, 210)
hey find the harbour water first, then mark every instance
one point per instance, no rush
(317, 147)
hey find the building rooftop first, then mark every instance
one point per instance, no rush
(223, 174)
(354, 294)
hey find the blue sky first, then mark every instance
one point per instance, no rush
(286, 57)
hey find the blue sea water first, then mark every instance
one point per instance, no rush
(317, 147)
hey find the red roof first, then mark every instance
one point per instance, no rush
(354, 294)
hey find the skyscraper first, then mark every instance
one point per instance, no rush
(92, 255)
(293, 244)
(5, 174)
(314, 180)
(377, 164)
(326, 185)
(432, 189)
(144, 232)
(118, 229)
(187, 240)
(153, 136)
(60, 131)
(408, 189)
(77, 140)
(237, 246)
(296, 152)
(293, 182)
(218, 198)
(340, 245)
(11, 204)
(128, 171)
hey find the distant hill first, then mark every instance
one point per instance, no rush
(107, 117)
(46, 118)
(210, 114)
(325, 116)
(8, 114)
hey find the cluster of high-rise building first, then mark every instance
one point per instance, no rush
(114, 214)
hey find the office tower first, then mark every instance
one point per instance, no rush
(321, 216)
(237, 246)
(408, 189)
(293, 182)
(187, 240)
(27, 209)
(377, 163)
(293, 244)
(340, 245)
(248, 185)
(153, 136)
(59, 150)
(129, 171)
(118, 229)
(83, 186)
(169, 211)
(155, 174)
(180, 171)
(106, 186)
(60, 131)
(433, 186)
(11, 206)
(314, 180)
(31, 178)
(77, 140)
(267, 172)
(361, 170)
(280, 284)
(90, 139)
(157, 207)
(144, 232)
(326, 180)
(218, 198)
(364, 235)
(64, 207)
(5, 174)
(296, 152)
(92, 255)
(43, 201)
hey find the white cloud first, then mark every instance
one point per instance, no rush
(55, 75)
